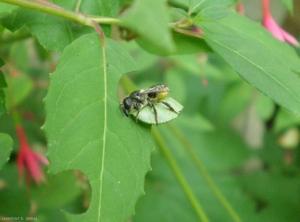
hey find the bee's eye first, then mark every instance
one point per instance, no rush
(127, 103)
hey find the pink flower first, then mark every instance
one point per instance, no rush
(27, 160)
(270, 24)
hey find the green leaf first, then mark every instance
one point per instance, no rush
(6, 148)
(164, 114)
(3, 84)
(5, 8)
(152, 30)
(264, 107)
(52, 32)
(20, 87)
(197, 5)
(288, 4)
(258, 57)
(55, 33)
(212, 13)
(285, 120)
(58, 191)
(11, 192)
(86, 130)
(188, 44)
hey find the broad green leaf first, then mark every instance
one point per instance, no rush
(149, 21)
(259, 58)
(6, 148)
(164, 114)
(86, 130)
(288, 4)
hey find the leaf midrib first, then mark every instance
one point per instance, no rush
(105, 128)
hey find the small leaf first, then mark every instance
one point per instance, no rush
(87, 132)
(6, 148)
(152, 30)
(179, 11)
(164, 114)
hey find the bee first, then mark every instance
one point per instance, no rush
(146, 97)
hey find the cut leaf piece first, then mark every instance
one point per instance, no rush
(86, 131)
(164, 114)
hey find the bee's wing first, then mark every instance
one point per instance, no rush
(155, 89)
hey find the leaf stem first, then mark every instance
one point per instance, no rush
(77, 5)
(60, 12)
(179, 176)
(205, 173)
(63, 13)
(79, 18)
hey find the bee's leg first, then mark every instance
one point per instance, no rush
(169, 106)
(155, 113)
(137, 115)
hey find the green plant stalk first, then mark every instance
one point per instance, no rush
(60, 12)
(205, 173)
(179, 176)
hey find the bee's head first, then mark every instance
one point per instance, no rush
(126, 105)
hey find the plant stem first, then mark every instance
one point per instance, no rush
(179, 176)
(60, 12)
(50, 10)
(205, 173)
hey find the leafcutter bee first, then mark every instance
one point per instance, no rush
(146, 97)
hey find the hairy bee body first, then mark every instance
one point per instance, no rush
(144, 97)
